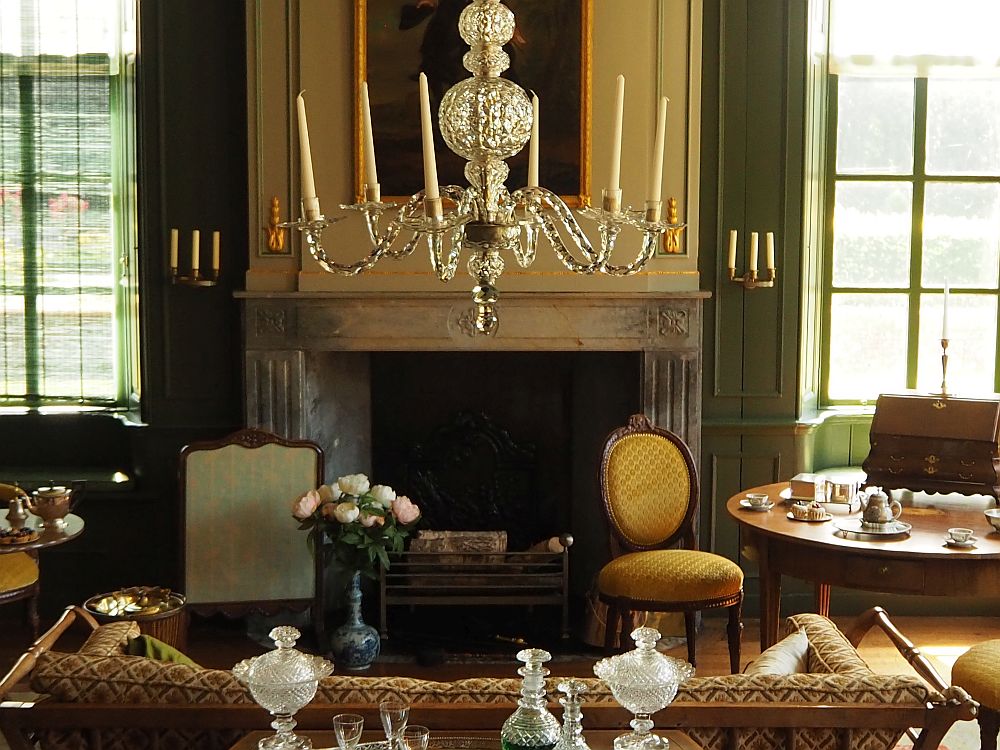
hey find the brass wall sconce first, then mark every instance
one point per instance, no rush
(194, 276)
(750, 279)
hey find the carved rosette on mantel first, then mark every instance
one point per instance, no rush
(287, 335)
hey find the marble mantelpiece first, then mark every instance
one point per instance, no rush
(306, 363)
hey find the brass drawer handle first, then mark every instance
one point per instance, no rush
(966, 477)
(896, 458)
(930, 470)
(931, 459)
(968, 462)
(895, 471)
(884, 570)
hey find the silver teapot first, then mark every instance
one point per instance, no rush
(877, 509)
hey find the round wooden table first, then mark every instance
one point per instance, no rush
(48, 537)
(917, 563)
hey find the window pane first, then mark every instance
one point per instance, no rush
(874, 126)
(972, 321)
(871, 234)
(961, 235)
(963, 127)
(867, 344)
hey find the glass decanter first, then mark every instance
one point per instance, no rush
(572, 726)
(283, 681)
(532, 726)
(643, 681)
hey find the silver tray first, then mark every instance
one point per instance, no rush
(856, 526)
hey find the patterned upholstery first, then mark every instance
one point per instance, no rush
(978, 671)
(671, 575)
(99, 673)
(17, 570)
(647, 486)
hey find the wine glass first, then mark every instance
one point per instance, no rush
(348, 729)
(394, 715)
(415, 737)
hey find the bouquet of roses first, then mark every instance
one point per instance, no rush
(363, 523)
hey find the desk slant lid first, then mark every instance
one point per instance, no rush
(942, 417)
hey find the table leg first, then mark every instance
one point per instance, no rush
(770, 599)
(822, 592)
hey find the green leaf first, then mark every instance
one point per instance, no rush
(383, 557)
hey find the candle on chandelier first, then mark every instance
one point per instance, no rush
(195, 248)
(944, 311)
(173, 248)
(215, 250)
(310, 202)
(656, 167)
(427, 133)
(533, 144)
(769, 245)
(753, 251)
(732, 248)
(368, 139)
(616, 138)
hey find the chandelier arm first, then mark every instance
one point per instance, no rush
(535, 199)
(561, 251)
(650, 240)
(352, 269)
(445, 267)
(525, 254)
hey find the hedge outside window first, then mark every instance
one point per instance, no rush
(67, 203)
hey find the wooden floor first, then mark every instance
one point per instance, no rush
(221, 644)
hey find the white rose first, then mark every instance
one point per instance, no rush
(368, 520)
(383, 494)
(354, 484)
(335, 491)
(346, 512)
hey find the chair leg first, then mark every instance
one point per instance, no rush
(735, 633)
(689, 630)
(31, 610)
(989, 727)
(610, 628)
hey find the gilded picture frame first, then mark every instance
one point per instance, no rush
(551, 55)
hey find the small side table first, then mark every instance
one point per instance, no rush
(169, 625)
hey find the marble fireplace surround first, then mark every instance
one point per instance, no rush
(307, 353)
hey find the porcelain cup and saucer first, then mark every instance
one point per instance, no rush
(758, 501)
(960, 537)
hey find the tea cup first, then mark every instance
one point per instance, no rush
(757, 499)
(959, 535)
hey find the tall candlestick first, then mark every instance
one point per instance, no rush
(308, 184)
(427, 132)
(944, 311)
(616, 138)
(656, 166)
(215, 251)
(195, 249)
(753, 251)
(371, 173)
(732, 248)
(173, 248)
(533, 144)
(770, 250)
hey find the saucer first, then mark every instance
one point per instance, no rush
(744, 503)
(970, 542)
(857, 526)
(791, 517)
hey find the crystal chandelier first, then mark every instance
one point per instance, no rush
(487, 119)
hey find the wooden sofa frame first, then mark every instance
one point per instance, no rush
(18, 720)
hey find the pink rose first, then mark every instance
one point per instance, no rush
(370, 519)
(306, 505)
(405, 510)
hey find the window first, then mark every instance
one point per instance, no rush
(913, 198)
(67, 203)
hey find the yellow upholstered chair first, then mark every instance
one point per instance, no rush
(650, 490)
(19, 570)
(242, 550)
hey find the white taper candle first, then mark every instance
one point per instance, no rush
(944, 310)
(732, 248)
(195, 249)
(427, 132)
(173, 248)
(215, 250)
(753, 251)
(656, 165)
(368, 138)
(533, 144)
(614, 180)
(310, 202)
(769, 245)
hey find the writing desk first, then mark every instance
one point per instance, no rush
(918, 563)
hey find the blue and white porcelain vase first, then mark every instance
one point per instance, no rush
(355, 645)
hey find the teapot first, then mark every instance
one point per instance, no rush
(51, 504)
(16, 512)
(877, 509)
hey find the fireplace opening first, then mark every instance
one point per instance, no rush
(504, 441)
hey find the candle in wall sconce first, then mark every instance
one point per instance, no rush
(194, 276)
(195, 251)
(174, 235)
(215, 250)
(751, 279)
